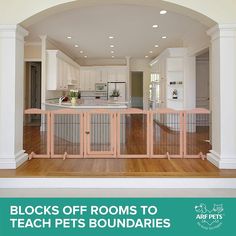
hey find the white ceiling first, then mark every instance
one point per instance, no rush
(130, 25)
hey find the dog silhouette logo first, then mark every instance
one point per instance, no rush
(209, 219)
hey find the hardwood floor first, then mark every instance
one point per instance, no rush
(196, 168)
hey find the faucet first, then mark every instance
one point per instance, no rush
(61, 99)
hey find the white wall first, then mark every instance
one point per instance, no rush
(196, 40)
(190, 82)
(32, 52)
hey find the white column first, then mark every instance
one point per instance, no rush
(223, 95)
(11, 96)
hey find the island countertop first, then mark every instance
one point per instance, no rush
(87, 104)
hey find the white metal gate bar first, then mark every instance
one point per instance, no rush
(166, 130)
(39, 146)
(196, 133)
(133, 141)
(67, 134)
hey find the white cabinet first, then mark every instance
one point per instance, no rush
(111, 76)
(117, 74)
(87, 80)
(61, 71)
(89, 75)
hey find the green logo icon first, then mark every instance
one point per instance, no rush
(209, 218)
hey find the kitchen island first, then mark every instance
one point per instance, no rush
(86, 105)
(95, 128)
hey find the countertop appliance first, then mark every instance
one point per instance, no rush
(120, 86)
(101, 87)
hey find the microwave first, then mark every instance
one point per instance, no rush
(101, 87)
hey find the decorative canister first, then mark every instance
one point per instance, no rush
(73, 101)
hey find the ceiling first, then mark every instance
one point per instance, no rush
(131, 26)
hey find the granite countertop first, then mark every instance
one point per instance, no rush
(91, 103)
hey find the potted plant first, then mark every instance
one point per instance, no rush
(115, 94)
(73, 94)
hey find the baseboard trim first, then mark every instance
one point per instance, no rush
(221, 163)
(117, 183)
(13, 161)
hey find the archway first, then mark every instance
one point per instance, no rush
(222, 49)
(168, 5)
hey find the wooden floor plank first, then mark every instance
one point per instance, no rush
(118, 168)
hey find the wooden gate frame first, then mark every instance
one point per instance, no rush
(115, 131)
(86, 137)
(36, 111)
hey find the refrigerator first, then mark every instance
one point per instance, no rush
(121, 87)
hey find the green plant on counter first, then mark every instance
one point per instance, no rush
(115, 93)
(74, 93)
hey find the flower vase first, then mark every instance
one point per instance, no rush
(73, 101)
(115, 99)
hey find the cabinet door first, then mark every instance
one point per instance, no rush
(96, 75)
(111, 76)
(60, 71)
(65, 76)
(91, 81)
(104, 76)
(77, 75)
(82, 80)
(121, 75)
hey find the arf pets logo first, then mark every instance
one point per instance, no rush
(209, 219)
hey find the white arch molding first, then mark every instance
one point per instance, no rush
(223, 48)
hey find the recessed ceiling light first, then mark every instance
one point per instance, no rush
(85, 56)
(111, 37)
(69, 37)
(156, 46)
(112, 51)
(146, 56)
(164, 37)
(112, 56)
(81, 51)
(155, 26)
(163, 12)
(112, 46)
(150, 51)
(76, 45)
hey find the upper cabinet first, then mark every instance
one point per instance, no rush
(61, 70)
(117, 74)
(87, 79)
(90, 75)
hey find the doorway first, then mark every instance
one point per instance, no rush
(33, 88)
(137, 89)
